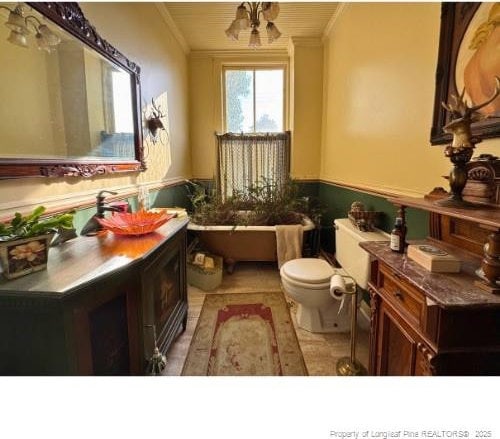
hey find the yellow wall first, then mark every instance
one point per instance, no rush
(306, 100)
(380, 63)
(137, 30)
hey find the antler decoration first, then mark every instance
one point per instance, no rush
(154, 122)
(463, 116)
(462, 147)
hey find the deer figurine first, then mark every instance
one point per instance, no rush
(154, 122)
(461, 149)
(463, 116)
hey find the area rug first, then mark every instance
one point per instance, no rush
(245, 335)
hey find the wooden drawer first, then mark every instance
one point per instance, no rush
(404, 297)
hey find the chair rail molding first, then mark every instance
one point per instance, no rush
(83, 199)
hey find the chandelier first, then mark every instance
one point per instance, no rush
(248, 15)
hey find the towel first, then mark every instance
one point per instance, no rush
(288, 243)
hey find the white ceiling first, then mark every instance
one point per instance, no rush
(202, 24)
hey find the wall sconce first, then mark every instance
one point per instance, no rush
(45, 38)
(18, 25)
(154, 123)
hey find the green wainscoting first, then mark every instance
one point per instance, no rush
(173, 196)
(335, 199)
(338, 200)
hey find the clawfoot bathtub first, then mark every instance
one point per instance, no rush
(242, 243)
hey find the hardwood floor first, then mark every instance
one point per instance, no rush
(321, 351)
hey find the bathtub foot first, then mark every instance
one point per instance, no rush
(230, 263)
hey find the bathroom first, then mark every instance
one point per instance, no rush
(358, 96)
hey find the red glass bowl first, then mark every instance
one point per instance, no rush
(137, 223)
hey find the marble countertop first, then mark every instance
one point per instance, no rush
(446, 289)
(80, 261)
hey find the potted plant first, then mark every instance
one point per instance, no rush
(24, 242)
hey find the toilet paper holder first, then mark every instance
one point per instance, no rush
(349, 366)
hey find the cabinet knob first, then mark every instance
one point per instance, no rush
(398, 294)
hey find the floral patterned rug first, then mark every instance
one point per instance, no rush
(245, 335)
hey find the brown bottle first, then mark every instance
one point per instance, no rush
(397, 243)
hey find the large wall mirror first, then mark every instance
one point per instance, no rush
(70, 102)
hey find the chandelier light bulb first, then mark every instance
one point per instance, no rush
(242, 19)
(233, 31)
(254, 39)
(270, 10)
(272, 32)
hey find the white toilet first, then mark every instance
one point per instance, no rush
(307, 280)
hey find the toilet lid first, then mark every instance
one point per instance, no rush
(308, 270)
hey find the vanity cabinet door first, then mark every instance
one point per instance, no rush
(165, 295)
(400, 350)
(396, 348)
(106, 329)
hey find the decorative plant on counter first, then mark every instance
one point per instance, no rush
(265, 203)
(24, 242)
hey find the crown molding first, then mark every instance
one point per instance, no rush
(306, 41)
(169, 21)
(249, 54)
(342, 7)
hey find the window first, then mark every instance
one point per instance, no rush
(254, 100)
(255, 146)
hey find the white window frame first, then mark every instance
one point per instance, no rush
(254, 67)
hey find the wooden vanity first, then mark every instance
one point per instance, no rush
(92, 311)
(425, 323)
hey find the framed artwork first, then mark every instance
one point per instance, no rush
(468, 59)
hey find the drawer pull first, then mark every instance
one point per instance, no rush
(398, 294)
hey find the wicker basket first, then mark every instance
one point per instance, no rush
(206, 279)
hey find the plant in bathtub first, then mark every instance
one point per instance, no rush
(261, 207)
(262, 204)
(24, 242)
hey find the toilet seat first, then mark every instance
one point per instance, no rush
(303, 285)
(310, 271)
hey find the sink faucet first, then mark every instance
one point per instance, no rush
(101, 207)
(92, 226)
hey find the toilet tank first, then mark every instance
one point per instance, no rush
(353, 259)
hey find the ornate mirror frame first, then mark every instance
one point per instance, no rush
(70, 17)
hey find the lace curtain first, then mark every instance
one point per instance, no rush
(244, 159)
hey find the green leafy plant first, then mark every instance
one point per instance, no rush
(264, 203)
(33, 225)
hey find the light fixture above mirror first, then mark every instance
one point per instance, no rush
(248, 16)
(19, 23)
